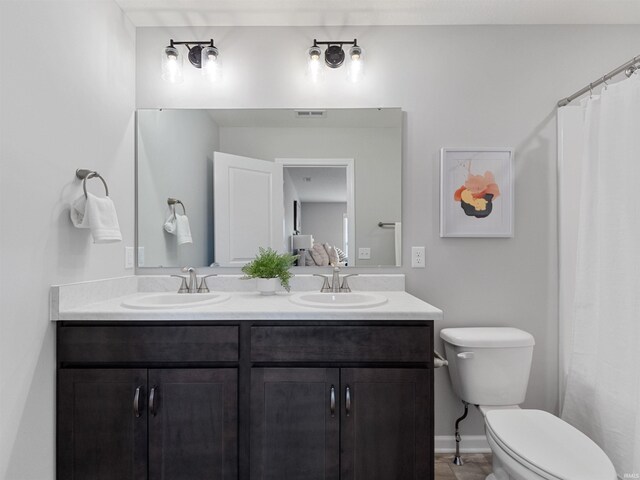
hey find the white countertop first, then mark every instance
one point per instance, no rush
(102, 301)
(253, 306)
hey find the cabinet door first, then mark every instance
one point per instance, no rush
(193, 424)
(295, 424)
(101, 434)
(386, 425)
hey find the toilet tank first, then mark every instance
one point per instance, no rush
(489, 365)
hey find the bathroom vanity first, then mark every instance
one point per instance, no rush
(250, 388)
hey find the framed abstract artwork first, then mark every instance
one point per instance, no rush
(476, 192)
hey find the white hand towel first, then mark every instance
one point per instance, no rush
(183, 230)
(98, 214)
(398, 243)
(170, 224)
(78, 218)
(178, 225)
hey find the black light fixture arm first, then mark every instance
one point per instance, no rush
(195, 49)
(337, 42)
(196, 42)
(334, 54)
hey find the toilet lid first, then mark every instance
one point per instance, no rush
(548, 445)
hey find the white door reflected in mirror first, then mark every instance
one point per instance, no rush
(248, 208)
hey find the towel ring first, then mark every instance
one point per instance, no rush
(85, 175)
(172, 202)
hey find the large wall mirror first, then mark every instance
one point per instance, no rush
(325, 184)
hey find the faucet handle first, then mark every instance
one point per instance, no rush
(204, 288)
(345, 285)
(325, 283)
(183, 286)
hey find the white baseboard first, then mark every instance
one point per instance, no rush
(469, 444)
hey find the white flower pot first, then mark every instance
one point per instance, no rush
(267, 286)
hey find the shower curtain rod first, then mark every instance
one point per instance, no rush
(628, 68)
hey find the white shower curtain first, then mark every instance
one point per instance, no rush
(602, 396)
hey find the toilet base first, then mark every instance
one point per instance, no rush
(506, 468)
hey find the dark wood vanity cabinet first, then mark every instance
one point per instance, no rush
(112, 421)
(368, 416)
(340, 423)
(386, 432)
(98, 434)
(258, 400)
(295, 423)
(153, 402)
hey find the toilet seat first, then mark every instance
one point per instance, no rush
(548, 446)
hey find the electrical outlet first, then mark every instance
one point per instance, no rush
(141, 256)
(128, 257)
(364, 253)
(417, 257)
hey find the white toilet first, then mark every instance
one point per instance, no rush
(489, 368)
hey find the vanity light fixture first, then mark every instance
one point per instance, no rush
(334, 57)
(202, 55)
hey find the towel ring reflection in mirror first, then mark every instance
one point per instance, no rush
(84, 175)
(172, 203)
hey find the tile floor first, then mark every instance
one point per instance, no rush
(476, 467)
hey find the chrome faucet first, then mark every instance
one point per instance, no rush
(193, 279)
(335, 286)
(203, 287)
(344, 287)
(193, 286)
(183, 286)
(335, 280)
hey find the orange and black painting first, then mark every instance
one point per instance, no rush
(477, 194)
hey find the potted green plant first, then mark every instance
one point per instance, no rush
(267, 268)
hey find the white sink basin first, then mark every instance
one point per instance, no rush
(339, 300)
(164, 300)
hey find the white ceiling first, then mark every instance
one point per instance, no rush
(190, 13)
(319, 184)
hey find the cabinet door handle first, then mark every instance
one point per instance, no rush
(136, 402)
(347, 401)
(152, 400)
(332, 399)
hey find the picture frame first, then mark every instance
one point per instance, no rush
(476, 192)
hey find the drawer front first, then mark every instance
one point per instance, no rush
(342, 344)
(124, 344)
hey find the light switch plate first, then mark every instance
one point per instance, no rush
(417, 257)
(128, 257)
(364, 253)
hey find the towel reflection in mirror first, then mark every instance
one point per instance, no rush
(178, 225)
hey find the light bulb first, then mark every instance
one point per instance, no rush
(355, 67)
(314, 67)
(211, 68)
(171, 65)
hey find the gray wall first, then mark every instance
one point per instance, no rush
(324, 220)
(67, 101)
(175, 152)
(460, 87)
